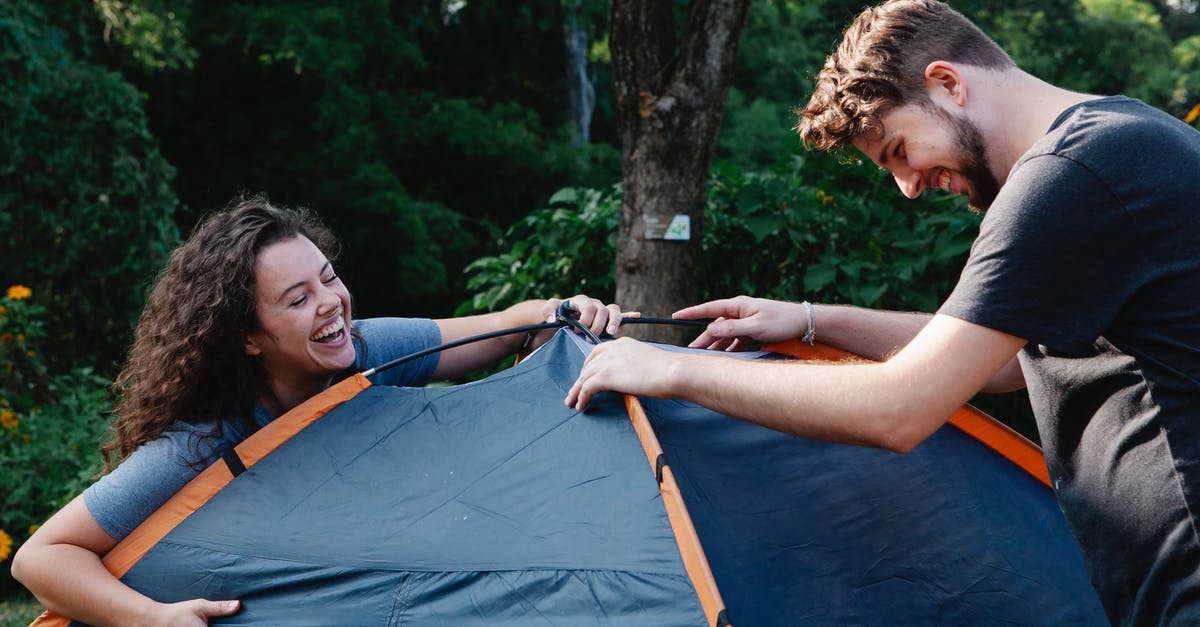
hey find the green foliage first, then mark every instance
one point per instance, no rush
(564, 249)
(50, 424)
(791, 233)
(152, 33)
(85, 196)
(795, 233)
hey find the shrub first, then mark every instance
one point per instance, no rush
(791, 233)
(50, 425)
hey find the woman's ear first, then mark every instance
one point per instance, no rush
(251, 347)
(944, 80)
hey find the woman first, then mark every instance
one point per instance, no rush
(247, 320)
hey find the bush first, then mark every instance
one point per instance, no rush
(50, 426)
(85, 196)
(789, 233)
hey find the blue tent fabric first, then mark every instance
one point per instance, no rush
(805, 532)
(491, 503)
(483, 504)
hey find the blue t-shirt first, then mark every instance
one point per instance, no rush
(122, 499)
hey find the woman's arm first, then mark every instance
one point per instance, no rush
(594, 314)
(61, 566)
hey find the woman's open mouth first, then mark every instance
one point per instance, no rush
(331, 333)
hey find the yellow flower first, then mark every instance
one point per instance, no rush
(1192, 115)
(31, 354)
(5, 545)
(3, 310)
(33, 529)
(827, 200)
(18, 292)
(8, 419)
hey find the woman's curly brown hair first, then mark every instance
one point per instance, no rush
(188, 361)
(880, 64)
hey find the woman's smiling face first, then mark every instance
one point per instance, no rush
(303, 312)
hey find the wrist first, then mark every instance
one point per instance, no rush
(810, 333)
(679, 376)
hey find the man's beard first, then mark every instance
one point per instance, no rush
(982, 184)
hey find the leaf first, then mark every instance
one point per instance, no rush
(819, 276)
(763, 225)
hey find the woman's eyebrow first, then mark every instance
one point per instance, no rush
(284, 293)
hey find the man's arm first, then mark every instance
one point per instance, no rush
(871, 333)
(892, 405)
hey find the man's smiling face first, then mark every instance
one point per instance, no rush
(924, 147)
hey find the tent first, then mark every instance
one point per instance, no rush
(491, 503)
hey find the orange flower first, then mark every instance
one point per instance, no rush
(8, 419)
(5, 545)
(3, 310)
(33, 529)
(19, 292)
(6, 338)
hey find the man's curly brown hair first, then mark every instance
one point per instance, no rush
(188, 360)
(880, 64)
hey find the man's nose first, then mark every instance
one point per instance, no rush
(909, 181)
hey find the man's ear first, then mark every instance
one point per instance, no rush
(944, 81)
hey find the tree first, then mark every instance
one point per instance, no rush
(86, 200)
(669, 104)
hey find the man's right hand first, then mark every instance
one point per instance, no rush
(742, 320)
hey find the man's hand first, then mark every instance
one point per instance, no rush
(623, 365)
(742, 320)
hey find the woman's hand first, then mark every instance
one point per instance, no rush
(593, 314)
(458, 361)
(194, 613)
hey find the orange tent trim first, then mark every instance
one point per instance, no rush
(992, 433)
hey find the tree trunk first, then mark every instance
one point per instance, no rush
(669, 105)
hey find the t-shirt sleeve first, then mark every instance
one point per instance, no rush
(387, 339)
(1055, 259)
(122, 499)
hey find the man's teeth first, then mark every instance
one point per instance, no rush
(944, 180)
(337, 325)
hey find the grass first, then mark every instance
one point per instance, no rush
(18, 612)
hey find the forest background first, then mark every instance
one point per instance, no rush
(442, 141)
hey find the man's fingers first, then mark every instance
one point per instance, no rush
(711, 309)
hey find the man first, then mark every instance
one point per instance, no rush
(1084, 284)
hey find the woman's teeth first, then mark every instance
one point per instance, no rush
(328, 331)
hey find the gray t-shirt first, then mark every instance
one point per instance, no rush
(122, 499)
(1092, 253)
